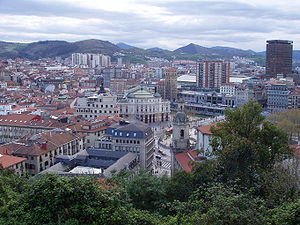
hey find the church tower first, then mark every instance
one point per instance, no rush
(180, 139)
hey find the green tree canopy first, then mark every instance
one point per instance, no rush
(246, 144)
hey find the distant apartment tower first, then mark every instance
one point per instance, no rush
(91, 60)
(171, 84)
(279, 58)
(212, 74)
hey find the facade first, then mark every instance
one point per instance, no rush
(91, 60)
(170, 84)
(279, 58)
(40, 150)
(139, 103)
(212, 74)
(278, 96)
(204, 136)
(16, 164)
(294, 100)
(15, 126)
(228, 89)
(130, 136)
(96, 105)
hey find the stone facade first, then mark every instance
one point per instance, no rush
(139, 103)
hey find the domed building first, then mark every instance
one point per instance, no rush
(140, 103)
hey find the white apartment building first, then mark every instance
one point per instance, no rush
(91, 60)
(96, 105)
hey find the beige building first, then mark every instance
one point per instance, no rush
(96, 105)
(40, 149)
(17, 164)
(15, 126)
(140, 103)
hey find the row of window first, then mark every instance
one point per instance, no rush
(101, 106)
(127, 149)
(127, 141)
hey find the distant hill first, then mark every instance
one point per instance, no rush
(225, 52)
(122, 45)
(44, 49)
(156, 49)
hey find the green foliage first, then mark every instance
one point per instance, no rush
(180, 186)
(147, 191)
(246, 144)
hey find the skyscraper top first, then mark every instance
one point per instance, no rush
(279, 42)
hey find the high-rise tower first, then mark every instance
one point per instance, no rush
(279, 57)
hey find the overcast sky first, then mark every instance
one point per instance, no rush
(168, 24)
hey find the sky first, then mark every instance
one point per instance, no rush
(168, 24)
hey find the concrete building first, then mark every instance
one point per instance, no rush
(170, 84)
(278, 96)
(212, 74)
(91, 60)
(279, 58)
(93, 106)
(130, 136)
(139, 103)
(94, 162)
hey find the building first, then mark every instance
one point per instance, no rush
(180, 138)
(184, 160)
(279, 58)
(204, 136)
(170, 84)
(139, 103)
(16, 164)
(15, 126)
(294, 100)
(277, 96)
(212, 74)
(94, 162)
(40, 150)
(130, 136)
(90, 60)
(91, 107)
(93, 130)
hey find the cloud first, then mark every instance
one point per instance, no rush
(144, 23)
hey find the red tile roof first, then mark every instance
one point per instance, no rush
(206, 129)
(7, 160)
(186, 158)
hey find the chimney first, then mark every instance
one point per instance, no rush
(44, 145)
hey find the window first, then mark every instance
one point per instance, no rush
(134, 134)
(127, 134)
(121, 133)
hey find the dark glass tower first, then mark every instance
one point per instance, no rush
(279, 58)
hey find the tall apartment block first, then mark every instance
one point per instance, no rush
(279, 57)
(212, 74)
(170, 84)
(91, 60)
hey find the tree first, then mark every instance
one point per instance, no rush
(246, 144)
(147, 191)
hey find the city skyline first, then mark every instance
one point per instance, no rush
(145, 24)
